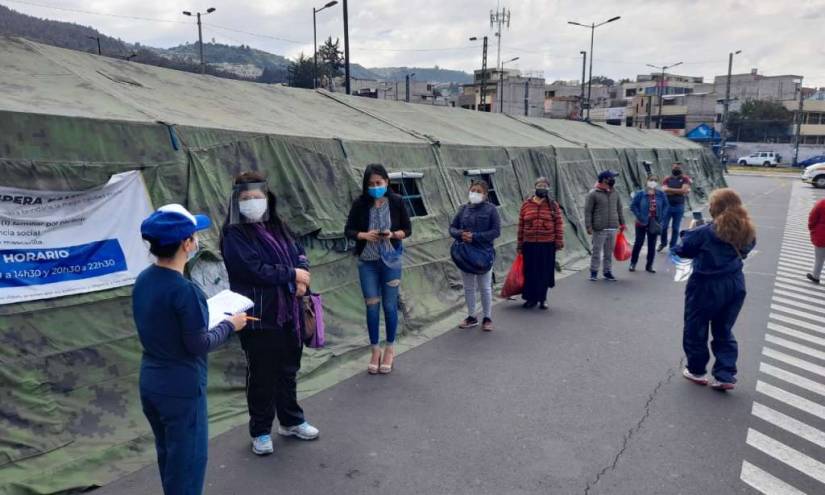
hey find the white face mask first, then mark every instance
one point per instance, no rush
(191, 254)
(475, 197)
(651, 184)
(252, 209)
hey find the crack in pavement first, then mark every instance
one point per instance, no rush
(635, 429)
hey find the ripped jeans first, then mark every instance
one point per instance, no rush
(379, 285)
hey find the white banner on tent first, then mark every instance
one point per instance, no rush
(57, 243)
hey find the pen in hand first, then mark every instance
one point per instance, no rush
(248, 318)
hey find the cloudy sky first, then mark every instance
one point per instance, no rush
(777, 37)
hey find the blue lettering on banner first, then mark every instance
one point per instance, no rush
(25, 267)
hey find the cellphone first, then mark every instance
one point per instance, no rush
(697, 215)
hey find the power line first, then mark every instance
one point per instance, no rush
(79, 11)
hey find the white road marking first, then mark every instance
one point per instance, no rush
(764, 482)
(793, 361)
(792, 378)
(798, 304)
(787, 455)
(795, 347)
(790, 399)
(787, 423)
(796, 295)
(794, 321)
(796, 333)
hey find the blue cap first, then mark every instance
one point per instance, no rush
(607, 174)
(171, 224)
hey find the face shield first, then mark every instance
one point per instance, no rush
(249, 203)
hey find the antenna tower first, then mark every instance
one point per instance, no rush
(499, 17)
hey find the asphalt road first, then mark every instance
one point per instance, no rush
(586, 398)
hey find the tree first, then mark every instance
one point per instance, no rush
(604, 80)
(330, 59)
(301, 72)
(760, 121)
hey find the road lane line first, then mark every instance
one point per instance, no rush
(790, 399)
(787, 455)
(787, 423)
(793, 361)
(799, 283)
(797, 295)
(792, 378)
(764, 482)
(802, 305)
(796, 333)
(795, 347)
(794, 321)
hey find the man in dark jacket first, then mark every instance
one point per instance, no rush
(603, 216)
(677, 188)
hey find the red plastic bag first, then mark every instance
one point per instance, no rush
(622, 251)
(514, 283)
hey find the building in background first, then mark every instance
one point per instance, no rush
(812, 130)
(512, 91)
(755, 86)
(563, 100)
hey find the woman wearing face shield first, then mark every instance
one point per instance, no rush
(171, 317)
(476, 226)
(267, 264)
(378, 221)
(540, 235)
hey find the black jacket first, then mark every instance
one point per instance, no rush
(359, 219)
(257, 273)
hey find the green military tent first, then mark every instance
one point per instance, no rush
(70, 416)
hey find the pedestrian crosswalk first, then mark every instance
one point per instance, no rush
(788, 433)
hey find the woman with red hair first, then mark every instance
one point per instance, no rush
(716, 290)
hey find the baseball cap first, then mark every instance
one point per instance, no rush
(172, 223)
(607, 174)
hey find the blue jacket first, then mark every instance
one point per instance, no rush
(255, 272)
(640, 206)
(711, 255)
(482, 220)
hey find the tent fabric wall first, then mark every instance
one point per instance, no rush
(70, 417)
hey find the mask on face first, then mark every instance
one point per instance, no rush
(611, 182)
(677, 172)
(651, 184)
(252, 209)
(475, 197)
(378, 191)
(191, 254)
(541, 192)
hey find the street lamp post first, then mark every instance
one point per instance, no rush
(501, 84)
(200, 33)
(96, 38)
(407, 91)
(315, 42)
(661, 86)
(726, 106)
(346, 48)
(483, 89)
(581, 100)
(592, 27)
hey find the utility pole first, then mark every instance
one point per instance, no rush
(200, 34)
(346, 48)
(581, 100)
(499, 17)
(501, 83)
(726, 106)
(96, 38)
(592, 27)
(661, 87)
(407, 97)
(315, 42)
(798, 126)
(483, 90)
(527, 97)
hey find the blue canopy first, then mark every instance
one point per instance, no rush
(704, 133)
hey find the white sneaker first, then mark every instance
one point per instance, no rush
(698, 379)
(304, 431)
(723, 386)
(262, 445)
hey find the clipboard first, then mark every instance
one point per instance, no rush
(224, 302)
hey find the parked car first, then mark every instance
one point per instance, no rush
(811, 161)
(764, 158)
(815, 175)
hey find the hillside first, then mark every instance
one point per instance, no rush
(234, 62)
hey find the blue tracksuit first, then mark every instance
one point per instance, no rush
(714, 296)
(171, 318)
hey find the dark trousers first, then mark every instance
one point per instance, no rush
(674, 215)
(273, 358)
(641, 233)
(539, 270)
(712, 305)
(181, 439)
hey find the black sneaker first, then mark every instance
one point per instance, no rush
(650, 269)
(543, 305)
(660, 248)
(529, 305)
(468, 322)
(632, 268)
(609, 277)
(812, 278)
(487, 324)
(594, 276)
